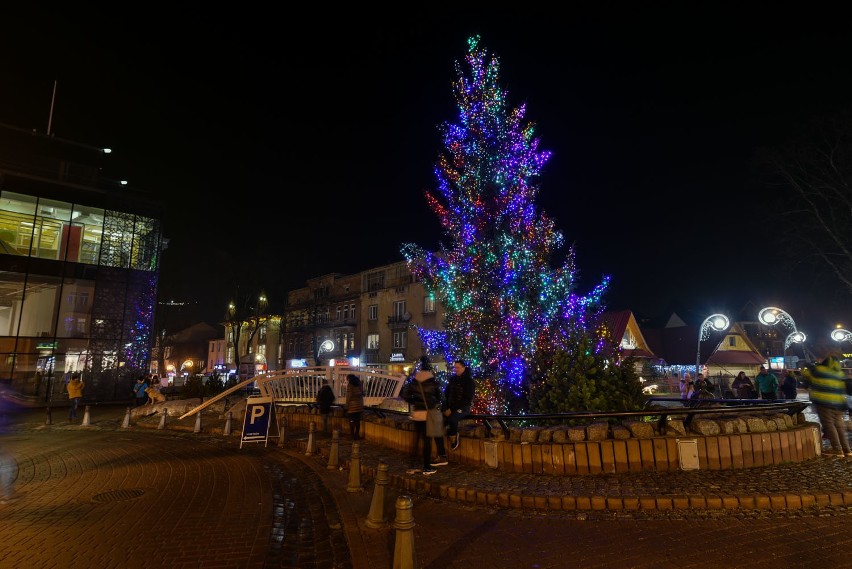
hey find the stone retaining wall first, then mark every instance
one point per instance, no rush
(718, 442)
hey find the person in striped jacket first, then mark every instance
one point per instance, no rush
(827, 384)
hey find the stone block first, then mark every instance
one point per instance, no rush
(560, 434)
(576, 434)
(640, 429)
(675, 427)
(728, 426)
(756, 425)
(546, 435)
(597, 432)
(530, 434)
(619, 432)
(705, 427)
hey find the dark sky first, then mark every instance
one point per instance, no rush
(303, 143)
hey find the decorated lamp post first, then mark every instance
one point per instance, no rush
(796, 337)
(714, 322)
(841, 335)
(772, 315)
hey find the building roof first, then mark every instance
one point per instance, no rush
(624, 329)
(680, 346)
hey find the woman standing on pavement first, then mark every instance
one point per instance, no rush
(424, 393)
(354, 405)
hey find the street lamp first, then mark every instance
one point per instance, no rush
(796, 337)
(715, 322)
(841, 335)
(772, 315)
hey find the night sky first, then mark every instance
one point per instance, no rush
(304, 144)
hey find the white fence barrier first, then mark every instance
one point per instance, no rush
(301, 385)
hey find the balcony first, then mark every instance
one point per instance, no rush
(398, 321)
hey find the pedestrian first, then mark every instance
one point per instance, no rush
(325, 398)
(458, 400)
(744, 386)
(422, 394)
(828, 388)
(354, 405)
(75, 394)
(139, 395)
(687, 387)
(8, 462)
(8, 474)
(788, 384)
(766, 384)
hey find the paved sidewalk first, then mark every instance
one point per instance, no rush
(106, 496)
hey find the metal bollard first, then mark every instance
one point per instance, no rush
(404, 555)
(126, 423)
(86, 417)
(197, 428)
(309, 448)
(376, 517)
(354, 484)
(227, 430)
(334, 451)
(163, 416)
(49, 420)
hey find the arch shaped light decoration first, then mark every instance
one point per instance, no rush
(796, 337)
(772, 315)
(714, 322)
(841, 335)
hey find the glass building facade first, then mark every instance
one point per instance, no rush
(79, 266)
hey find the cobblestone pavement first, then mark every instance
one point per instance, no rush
(106, 496)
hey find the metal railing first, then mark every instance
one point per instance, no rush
(666, 407)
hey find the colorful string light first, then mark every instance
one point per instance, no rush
(503, 302)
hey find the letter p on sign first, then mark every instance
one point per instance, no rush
(257, 412)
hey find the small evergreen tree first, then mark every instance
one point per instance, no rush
(588, 377)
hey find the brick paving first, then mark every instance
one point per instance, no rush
(105, 496)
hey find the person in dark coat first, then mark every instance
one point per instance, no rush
(788, 385)
(354, 404)
(458, 399)
(325, 399)
(425, 387)
(744, 386)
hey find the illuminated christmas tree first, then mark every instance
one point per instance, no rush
(506, 309)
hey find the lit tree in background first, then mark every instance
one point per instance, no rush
(506, 309)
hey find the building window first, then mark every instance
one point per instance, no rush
(372, 341)
(399, 309)
(373, 312)
(340, 313)
(375, 281)
(399, 339)
(429, 303)
(732, 341)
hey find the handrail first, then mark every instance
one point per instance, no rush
(790, 406)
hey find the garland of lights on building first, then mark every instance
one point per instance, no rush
(503, 302)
